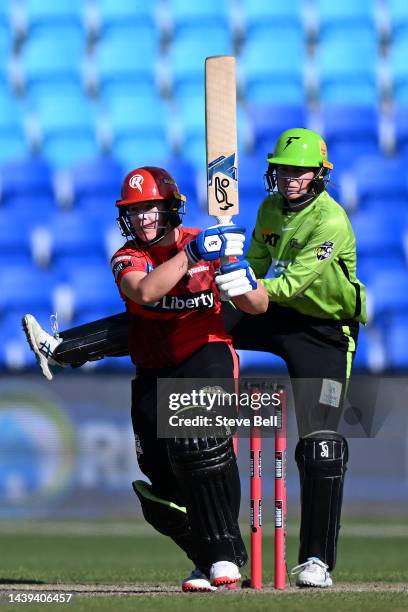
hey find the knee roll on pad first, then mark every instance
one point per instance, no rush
(207, 473)
(322, 462)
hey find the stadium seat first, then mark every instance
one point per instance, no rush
(369, 266)
(389, 293)
(351, 131)
(70, 235)
(335, 17)
(29, 178)
(379, 178)
(400, 123)
(115, 17)
(396, 341)
(259, 16)
(25, 289)
(348, 58)
(376, 230)
(47, 14)
(186, 58)
(398, 69)
(94, 289)
(269, 120)
(398, 14)
(12, 137)
(138, 127)
(48, 62)
(68, 129)
(124, 64)
(96, 184)
(14, 235)
(266, 79)
(186, 16)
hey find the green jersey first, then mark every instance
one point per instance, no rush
(312, 257)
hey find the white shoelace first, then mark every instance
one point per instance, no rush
(314, 560)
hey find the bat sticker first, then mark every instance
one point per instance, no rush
(221, 193)
(223, 165)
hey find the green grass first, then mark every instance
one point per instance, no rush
(121, 560)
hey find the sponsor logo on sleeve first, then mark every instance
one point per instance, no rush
(120, 263)
(324, 251)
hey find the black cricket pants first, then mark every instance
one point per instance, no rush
(318, 354)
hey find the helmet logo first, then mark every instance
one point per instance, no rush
(289, 141)
(136, 182)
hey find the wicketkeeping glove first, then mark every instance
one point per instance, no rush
(215, 242)
(236, 279)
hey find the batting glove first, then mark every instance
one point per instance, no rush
(236, 279)
(216, 242)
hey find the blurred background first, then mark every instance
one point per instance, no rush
(90, 89)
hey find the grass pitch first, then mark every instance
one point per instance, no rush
(121, 570)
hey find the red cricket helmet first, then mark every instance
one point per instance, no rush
(150, 184)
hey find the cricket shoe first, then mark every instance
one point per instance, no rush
(42, 344)
(312, 573)
(224, 573)
(197, 582)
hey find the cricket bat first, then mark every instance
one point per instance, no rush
(221, 137)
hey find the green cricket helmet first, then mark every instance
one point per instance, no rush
(300, 147)
(304, 149)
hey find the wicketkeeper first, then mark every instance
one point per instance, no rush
(304, 241)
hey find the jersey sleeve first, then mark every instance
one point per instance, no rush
(317, 254)
(258, 255)
(123, 262)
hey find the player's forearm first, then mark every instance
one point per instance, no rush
(287, 286)
(160, 281)
(253, 302)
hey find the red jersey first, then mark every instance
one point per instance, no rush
(188, 317)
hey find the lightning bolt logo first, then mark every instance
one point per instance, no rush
(290, 140)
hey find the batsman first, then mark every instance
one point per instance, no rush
(304, 242)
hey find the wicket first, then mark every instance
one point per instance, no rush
(255, 445)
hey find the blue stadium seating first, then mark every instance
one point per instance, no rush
(71, 235)
(193, 16)
(68, 129)
(378, 231)
(126, 64)
(400, 121)
(390, 293)
(97, 181)
(380, 182)
(398, 13)
(187, 54)
(94, 289)
(260, 16)
(269, 120)
(268, 79)
(370, 265)
(336, 17)
(12, 137)
(396, 341)
(399, 71)
(29, 178)
(113, 49)
(350, 58)
(47, 15)
(53, 61)
(115, 17)
(351, 132)
(25, 289)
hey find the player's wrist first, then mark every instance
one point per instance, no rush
(192, 252)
